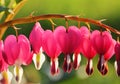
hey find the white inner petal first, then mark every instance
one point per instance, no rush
(78, 59)
(91, 64)
(10, 76)
(39, 59)
(18, 72)
(68, 62)
(1, 77)
(56, 64)
(68, 59)
(115, 64)
(73, 57)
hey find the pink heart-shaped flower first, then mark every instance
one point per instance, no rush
(36, 37)
(3, 64)
(17, 50)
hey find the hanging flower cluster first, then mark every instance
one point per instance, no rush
(71, 41)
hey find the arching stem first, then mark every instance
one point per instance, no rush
(46, 17)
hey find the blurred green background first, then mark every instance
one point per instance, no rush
(94, 9)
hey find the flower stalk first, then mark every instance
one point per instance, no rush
(53, 16)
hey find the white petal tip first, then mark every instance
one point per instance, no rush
(18, 72)
(38, 60)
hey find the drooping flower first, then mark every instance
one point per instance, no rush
(68, 41)
(4, 72)
(51, 48)
(117, 55)
(83, 35)
(89, 52)
(36, 42)
(3, 64)
(17, 52)
(111, 51)
(104, 46)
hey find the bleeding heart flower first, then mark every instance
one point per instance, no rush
(4, 72)
(68, 41)
(51, 48)
(111, 51)
(84, 34)
(17, 51)
(36, 42)
(117, 55)
(3, 64)
(103, 44)
(89, 52)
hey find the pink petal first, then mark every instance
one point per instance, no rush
(87, 49)
(117, 55)
(84, 34)
(101, 41)
(3, 64)
(36, 37)
(11, 49)
(62, 38)
(50, 45)
(117, 51)
(17, 50)
(97, 41)
(29, 59)
(25, 54)
(108, 41)
(74, 38)
(68, 40)
(111, 51)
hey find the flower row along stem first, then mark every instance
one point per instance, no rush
(54, 16)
